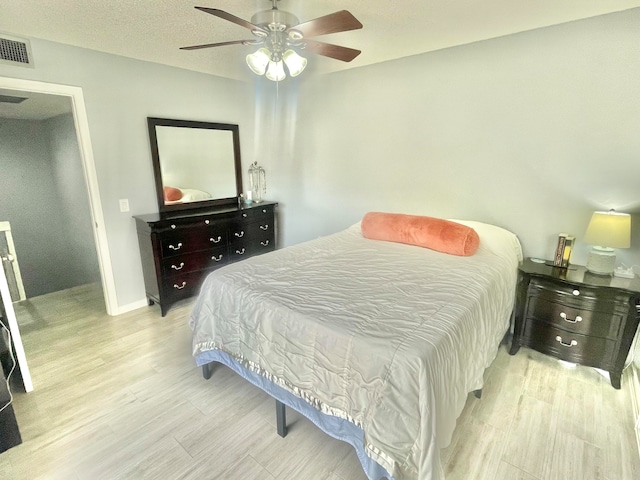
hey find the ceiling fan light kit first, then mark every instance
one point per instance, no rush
(279, 34)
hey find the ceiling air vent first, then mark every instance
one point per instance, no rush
(15, 51)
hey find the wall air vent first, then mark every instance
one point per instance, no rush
(11, 99)
(15, 51)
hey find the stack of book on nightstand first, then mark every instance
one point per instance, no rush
(563, 250)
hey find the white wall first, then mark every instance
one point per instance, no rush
(532, 132)
(120, 93)
(78, 255)
(50, 220)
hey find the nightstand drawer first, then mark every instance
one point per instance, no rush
(581, 296)
(569, 346)
(605, 324)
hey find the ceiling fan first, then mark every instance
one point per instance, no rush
(280, 35)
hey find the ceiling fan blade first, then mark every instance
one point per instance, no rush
(232, 18)
(341, 21)
(221, 44)
(333, 51)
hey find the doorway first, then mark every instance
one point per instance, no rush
(76, 99)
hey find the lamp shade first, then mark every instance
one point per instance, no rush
(275, 71)
(609, 229)
(295, 63)
(258, 61)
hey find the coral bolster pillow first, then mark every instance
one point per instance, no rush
(172, 194)
(433, 233)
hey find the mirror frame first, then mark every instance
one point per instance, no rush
(153, 122)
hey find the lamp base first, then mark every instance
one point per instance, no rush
(601, 261)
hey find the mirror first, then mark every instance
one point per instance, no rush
(196, 164)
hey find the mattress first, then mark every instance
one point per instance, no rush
(386, 336)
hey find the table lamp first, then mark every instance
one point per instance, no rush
(606, 231)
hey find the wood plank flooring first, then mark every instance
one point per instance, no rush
(121, 398)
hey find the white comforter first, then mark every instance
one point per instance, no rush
(389, 336)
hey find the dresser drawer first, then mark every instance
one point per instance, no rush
(569, 346)
(186, 241)
(605, 324)
(184, 285)
(252, 246)
(239, 231)
(258, 231)
(189, 262)
(257, 212)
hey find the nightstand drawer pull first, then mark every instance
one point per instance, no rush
(215, 240)
(239, 235)
(576, 292)
(217, 259)
(564, 316)
(180, 287)
(179, 267)
(264, 227)
(265, 243)
(240, 252)
(177, 247)
(572, 344)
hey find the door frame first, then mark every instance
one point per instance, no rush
(91, 178)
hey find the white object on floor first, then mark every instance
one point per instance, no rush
(15, 332)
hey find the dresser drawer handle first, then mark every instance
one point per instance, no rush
(180, 287)
(241, 234)
(264, 227)
(173, 226)
(572, 344)
(576, 292)
(179, 267)
(215, 240)
(177, 247)
(265, 243)
(244, 215)
(218, 258)
(240, 252)
(264, 210)
(564, 317)
(206, 222)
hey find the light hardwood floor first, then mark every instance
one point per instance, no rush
(121, 398)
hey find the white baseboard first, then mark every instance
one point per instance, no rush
(129, 307)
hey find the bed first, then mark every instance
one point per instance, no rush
(377, 342)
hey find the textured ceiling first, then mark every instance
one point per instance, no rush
(154, 30)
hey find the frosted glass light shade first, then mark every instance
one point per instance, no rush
(275, 71)
(609, 229)
(295, 63)
(258, 61)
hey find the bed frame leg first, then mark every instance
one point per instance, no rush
(478, 393)
(281, 418)
(207, 370)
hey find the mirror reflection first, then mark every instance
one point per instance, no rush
(197, 164)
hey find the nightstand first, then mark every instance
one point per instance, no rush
(577, 316)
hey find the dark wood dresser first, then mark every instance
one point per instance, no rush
(576, 316)
(179, 249)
